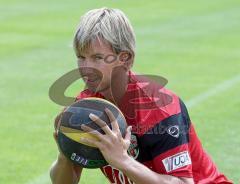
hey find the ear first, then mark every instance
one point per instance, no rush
(127, 59)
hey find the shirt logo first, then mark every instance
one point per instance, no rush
(177, 161)
(173, 131)
(133, 149)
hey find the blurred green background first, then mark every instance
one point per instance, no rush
(194, 44)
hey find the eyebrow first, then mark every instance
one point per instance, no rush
(93, 55)
(97, 54)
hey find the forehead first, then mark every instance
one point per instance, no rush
(98, 46)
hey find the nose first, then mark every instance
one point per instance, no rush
(90, 72)
(87, 68)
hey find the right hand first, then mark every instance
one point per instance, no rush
(55, 134)
(61, 157)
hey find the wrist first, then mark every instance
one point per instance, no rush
(125, 163)
(61, 158)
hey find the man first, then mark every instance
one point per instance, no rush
(160, 145)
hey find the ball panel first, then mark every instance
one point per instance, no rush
(85, 156)
(76, 135)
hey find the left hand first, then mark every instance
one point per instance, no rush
(111, 144)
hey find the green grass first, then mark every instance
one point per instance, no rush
(195, 45)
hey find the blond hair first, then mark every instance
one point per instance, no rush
(107, 24)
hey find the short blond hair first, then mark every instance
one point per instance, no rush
(107, 24)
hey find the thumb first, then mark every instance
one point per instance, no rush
(55, 135)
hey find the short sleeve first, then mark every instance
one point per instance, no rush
(168, 143)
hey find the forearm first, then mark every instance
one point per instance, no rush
(140, 174)
(62, 172)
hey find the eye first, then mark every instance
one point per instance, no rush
(98, 57)
(81, 58)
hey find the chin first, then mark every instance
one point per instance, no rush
(95, 89)
(98, 87)
(102, 89)
(92, 89)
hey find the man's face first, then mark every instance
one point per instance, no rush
(100, 66)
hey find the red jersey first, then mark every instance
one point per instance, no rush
(163, 137)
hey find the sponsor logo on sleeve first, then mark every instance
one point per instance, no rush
(177, 161)
(173, 131)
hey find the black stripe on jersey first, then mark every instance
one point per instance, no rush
(162, 137)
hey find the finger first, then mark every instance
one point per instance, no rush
(55, 136)
(113, 120)
(128, 134)
(101, 123)
(58, 124)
